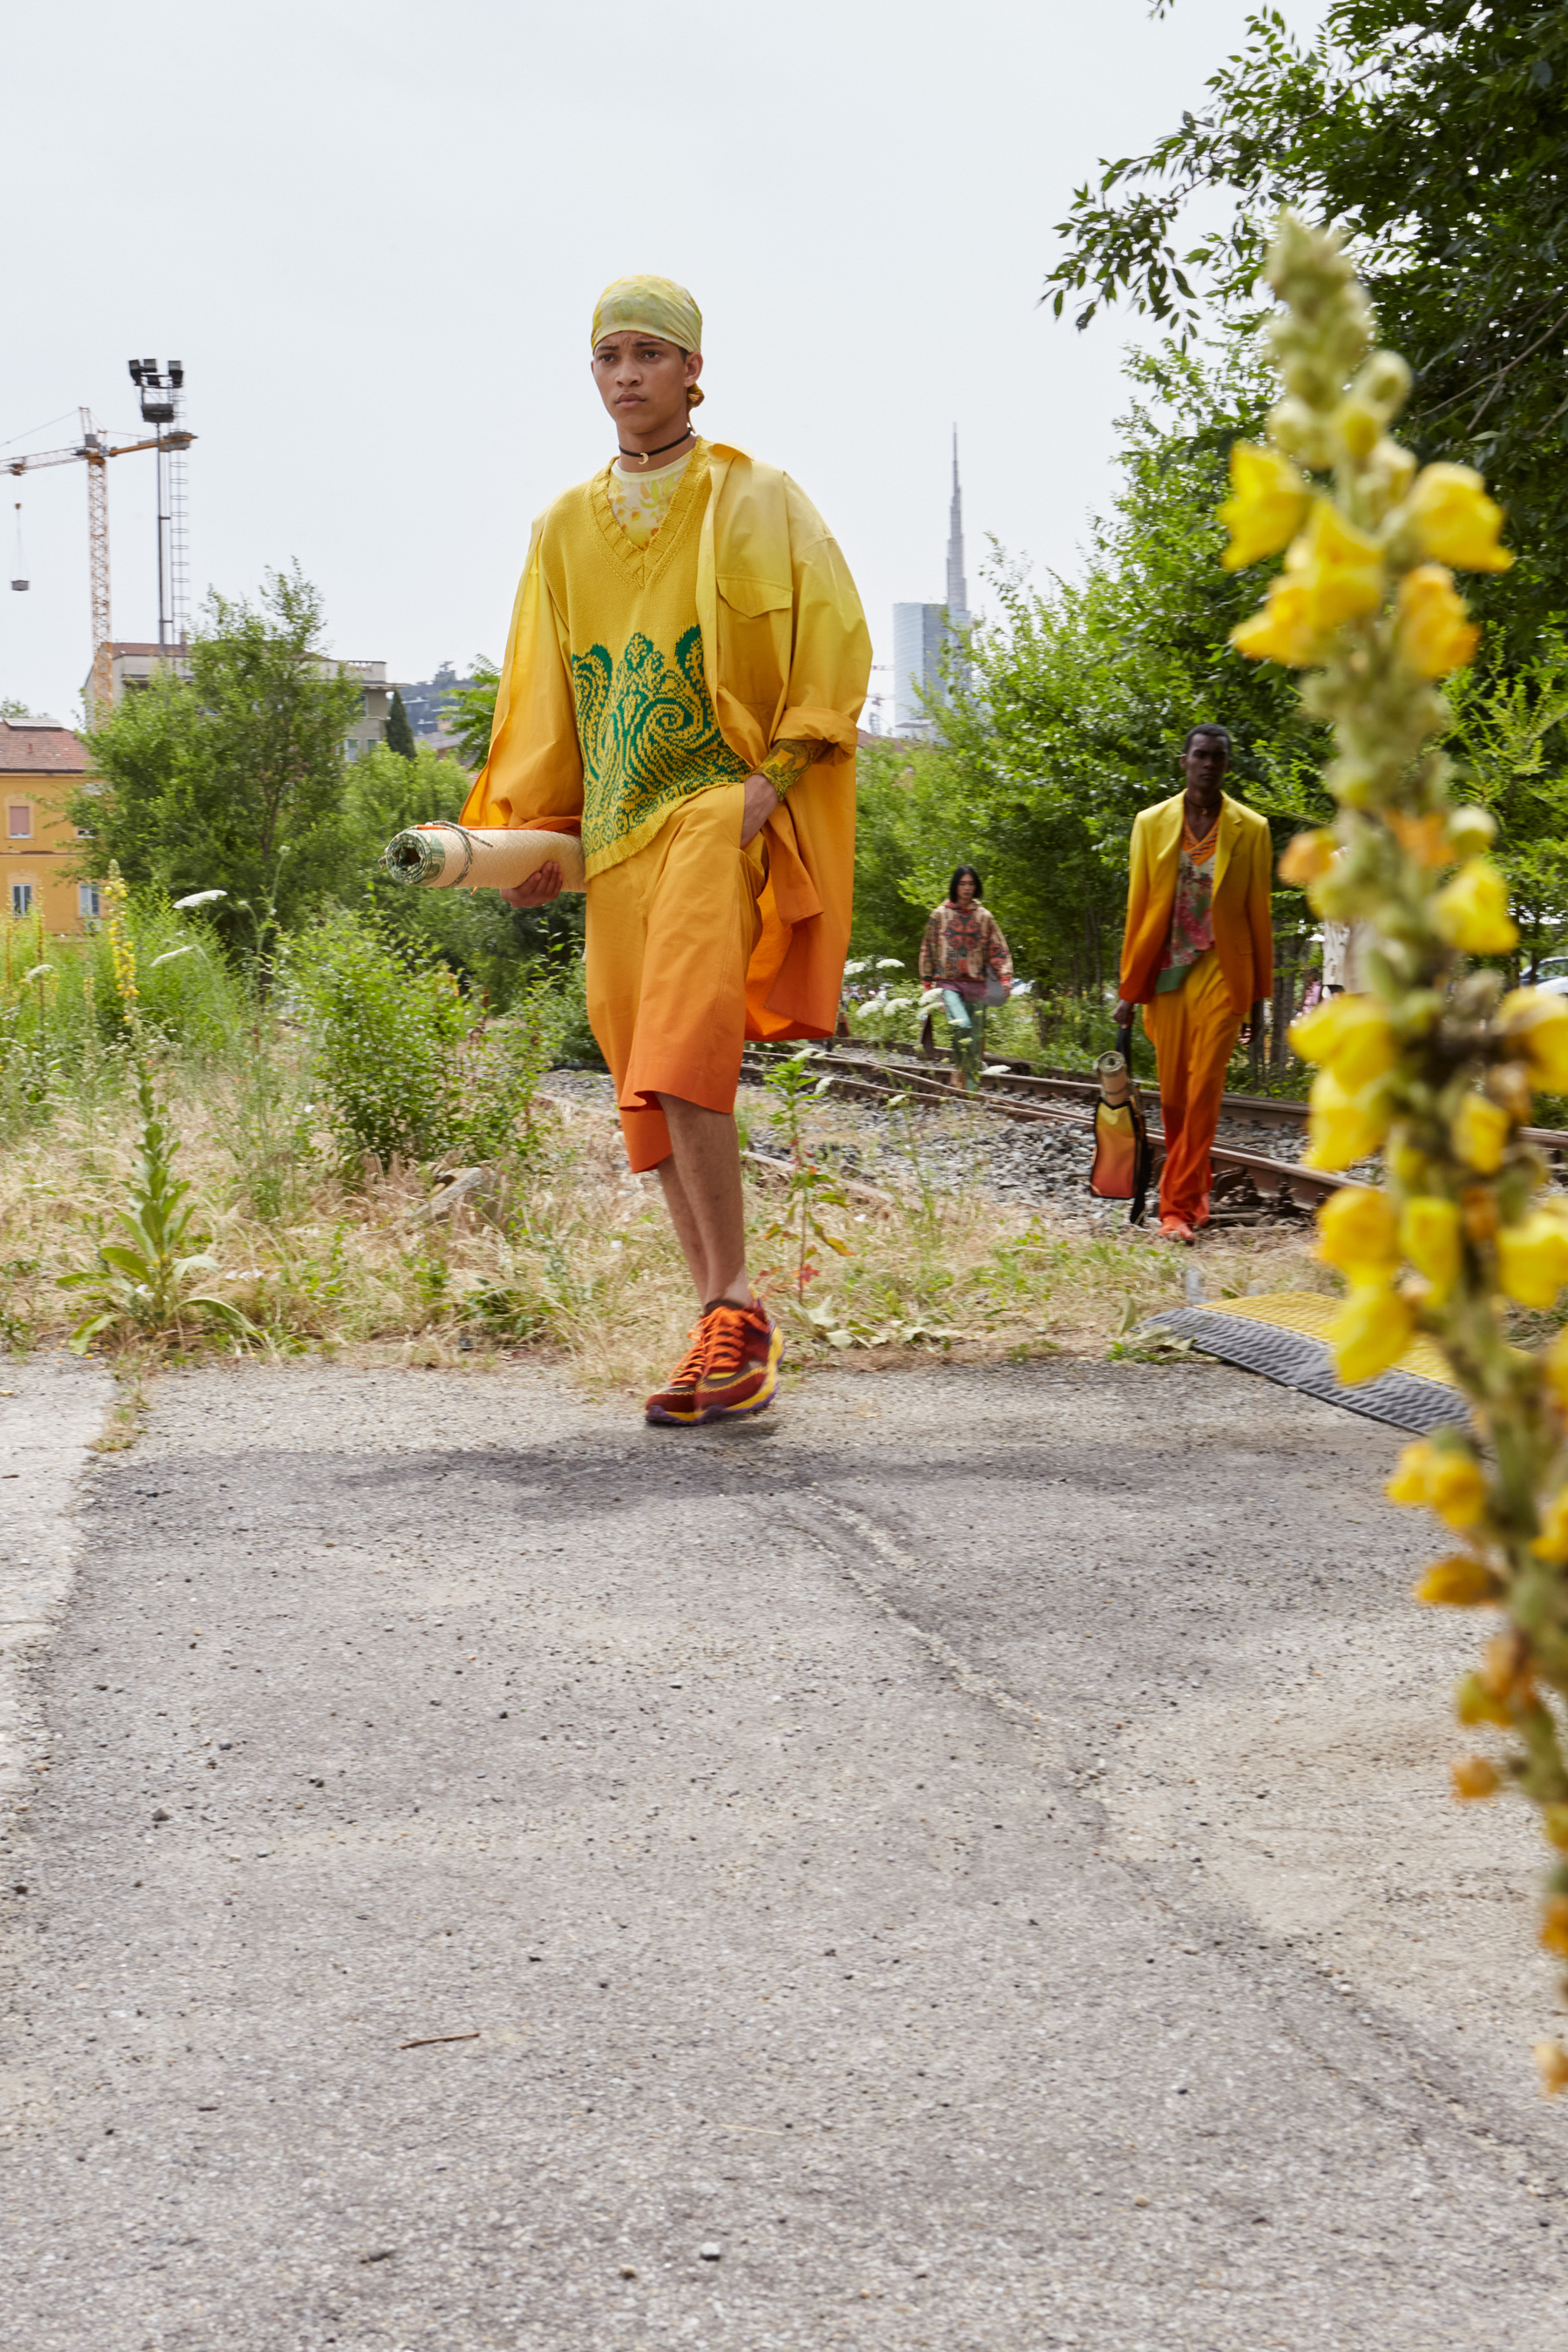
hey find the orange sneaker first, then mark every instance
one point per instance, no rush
(741, 1370)
(676, 1402)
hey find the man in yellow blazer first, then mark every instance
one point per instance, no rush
(1198, 956)
(682, 688)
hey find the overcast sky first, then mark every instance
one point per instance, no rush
(374, 235)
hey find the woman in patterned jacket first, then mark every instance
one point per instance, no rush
(964, 954)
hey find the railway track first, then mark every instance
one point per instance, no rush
(1249, 1186)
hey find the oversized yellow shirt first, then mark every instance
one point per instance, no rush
(635, 676)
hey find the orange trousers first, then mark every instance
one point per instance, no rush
(1193, 1030)
(670, 932)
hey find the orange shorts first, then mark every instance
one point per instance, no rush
(671, 930)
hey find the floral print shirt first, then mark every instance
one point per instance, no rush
(1191, 911)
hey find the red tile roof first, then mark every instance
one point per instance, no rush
(29, 748)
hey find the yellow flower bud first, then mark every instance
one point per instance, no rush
(1551, 1543)
(1408, 1484)
(1359, 428)
(1540, 1023)
(1266, 506)
(1458, 1583)
(1371, 1332)
(1555, 1825)
(1457, 1487)
(1471, 831)
(1533, 1259)
(1454, 519)
(1424, 838)
(1357, 1231)
(1471, 911)
(1306, 856)
(1480, 1133)
(1429, 1237)
(1351, 1035)
(1475, 1779)
(1554, 1925)
(1342, 1126)
(1551, 2061)
(1434, 632)
(1473, 1703)
(1282, 631)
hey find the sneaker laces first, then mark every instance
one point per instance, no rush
(726, 1328)
(689, 1371)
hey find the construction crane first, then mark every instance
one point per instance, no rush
(95, 450)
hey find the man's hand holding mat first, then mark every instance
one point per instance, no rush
(531, 867)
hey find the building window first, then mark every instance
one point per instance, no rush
(19, 821)
(21, 898)
(89, 903)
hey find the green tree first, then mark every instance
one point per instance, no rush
(399, 734)
(470, 712)
(1510, 743)
(1437, 132)
(232, 778)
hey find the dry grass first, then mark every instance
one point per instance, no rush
(570, 1258)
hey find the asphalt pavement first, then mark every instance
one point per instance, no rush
(496, 1875)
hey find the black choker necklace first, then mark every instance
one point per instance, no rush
(642, 455)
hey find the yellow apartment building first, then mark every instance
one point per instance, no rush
(40, 765)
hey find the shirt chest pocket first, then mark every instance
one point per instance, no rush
(755, 625)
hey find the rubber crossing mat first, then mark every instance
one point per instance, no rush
(1282, 1337)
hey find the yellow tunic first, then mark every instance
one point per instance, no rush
(611, 711)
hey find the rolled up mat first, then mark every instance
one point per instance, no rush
(441, 855)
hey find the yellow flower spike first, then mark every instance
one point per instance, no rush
(1436, 635)
(1371, 1332)
(1505, 1668)
(1281, 631)
(1554, 1823)
(1344, 1126)
(1429, 1237)
(1551, 1543)
(1474, 1780)
(1551, 2063)
(1340, 567)
(1478, 1210)
(1306, 856)
(1266, 507)
(1457, 1487)
(1357, 1233)
(1480, 1133)
(1351, 1035)
(1471, 911)
(1554, 1925)
(1458, 1583)
(1455, 522)
(1533, 1259)
(1408, 1484)
(1539, 1023)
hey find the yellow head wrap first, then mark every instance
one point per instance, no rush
(659, 307)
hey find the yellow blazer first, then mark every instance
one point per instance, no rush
(787, 656)
(1243, 881)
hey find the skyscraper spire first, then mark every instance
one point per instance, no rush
(957, 586)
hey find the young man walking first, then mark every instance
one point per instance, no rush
(1198, 955)
(685, 672)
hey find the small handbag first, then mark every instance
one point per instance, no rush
(982, 992)
(1123, 1156)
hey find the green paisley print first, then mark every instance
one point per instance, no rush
(648, 736)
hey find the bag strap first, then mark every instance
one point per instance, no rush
(1142, 1165)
